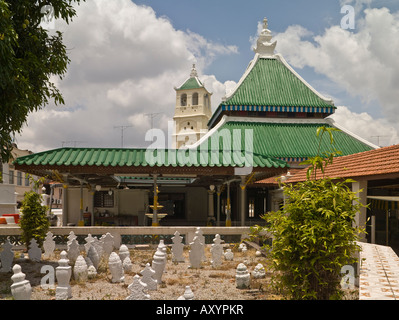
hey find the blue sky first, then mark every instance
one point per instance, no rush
(234, 22)
(126, 57)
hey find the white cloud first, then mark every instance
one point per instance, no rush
(377, 131)
(125, 62)
(364, 63)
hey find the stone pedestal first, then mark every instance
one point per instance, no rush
(188, 294)
(242, 277)
(229, 255)
(63, 273)
(21, 288)
(259, 272)
(116, 268)
(80, 272)
(123, 252)
(158, 264)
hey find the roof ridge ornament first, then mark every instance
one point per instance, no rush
(264, 46)
(193, 73)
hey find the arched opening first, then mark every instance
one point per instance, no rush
(183, 100)
(195, 99)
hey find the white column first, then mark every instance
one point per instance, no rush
(211, 212)
(361, 216)
(373, 228)
(218, 193)
(228, 211)
(65, 205)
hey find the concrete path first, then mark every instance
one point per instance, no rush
(379, 273)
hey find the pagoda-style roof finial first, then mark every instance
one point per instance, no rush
(193, 73)
(264, 46)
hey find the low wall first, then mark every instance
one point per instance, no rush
(133, 235)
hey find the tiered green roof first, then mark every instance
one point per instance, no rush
(271, 83)
(289, 141)
(117, 157)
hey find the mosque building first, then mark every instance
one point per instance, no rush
(265, 127)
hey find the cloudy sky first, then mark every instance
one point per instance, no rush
(127, 56)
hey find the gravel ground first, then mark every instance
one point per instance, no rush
(207, 283)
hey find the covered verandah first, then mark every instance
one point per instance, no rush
(145, 184)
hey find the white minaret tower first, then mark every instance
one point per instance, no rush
(192, 111)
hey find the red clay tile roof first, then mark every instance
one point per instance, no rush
(369, 163)
(274, 180)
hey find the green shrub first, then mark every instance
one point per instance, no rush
(34, 223)
(314, 238)
(313, 234)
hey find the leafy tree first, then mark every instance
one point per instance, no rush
(34, 222)
(313, 234)
(29, 56)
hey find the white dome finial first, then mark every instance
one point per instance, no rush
(193, 73)
(264, 46)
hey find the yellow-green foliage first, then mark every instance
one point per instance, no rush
(34, 223)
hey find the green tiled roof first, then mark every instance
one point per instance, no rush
(271, 83)
(191, 83)
(114, 157)
(288, 141)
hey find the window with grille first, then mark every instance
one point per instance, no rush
(102, 199)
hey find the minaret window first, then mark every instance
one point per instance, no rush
(183, 100)
(195, 99)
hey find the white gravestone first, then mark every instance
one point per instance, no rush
(195, 253)
(188, 294)
(158, 264)
(116, 268)
(200, 235)
(123, 252)
(127, 265)
(48, 245)
(229, 255)
(63, 274)
(148, 277)
(6, 257)
(138, 290)
(89, 242)
(21, 288)
(242, 247)
(98, 245)
(93, 256)
(73, 251)
(217, 251)
(177, 247)
(80, 272)
(108, 244)
(91, 270)
(259, 272)
(34, 252)
(70, 237)
(242, 277)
